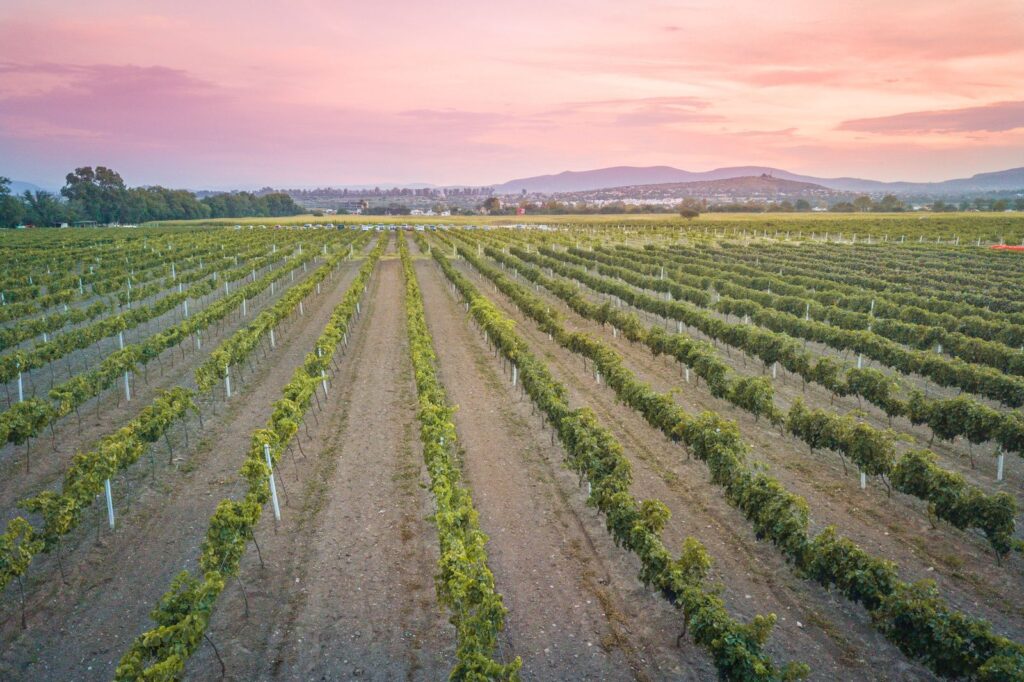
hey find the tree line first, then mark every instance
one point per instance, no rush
(99, 195)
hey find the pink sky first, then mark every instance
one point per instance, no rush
(240, 94)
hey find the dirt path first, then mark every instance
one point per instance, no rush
(576, 608)
(79, 630)
(348, 589)
(825, 631)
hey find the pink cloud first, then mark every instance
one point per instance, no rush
(997, 117)
(194, 93)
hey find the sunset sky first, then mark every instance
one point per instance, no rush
(221, 94)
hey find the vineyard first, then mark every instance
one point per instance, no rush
(709, 450)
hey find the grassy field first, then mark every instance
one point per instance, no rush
(990, 227)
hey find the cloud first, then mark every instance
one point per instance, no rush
(781, 133)
(996, 117)
(640, 112)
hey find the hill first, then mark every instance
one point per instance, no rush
(630, 176)
(748, 187)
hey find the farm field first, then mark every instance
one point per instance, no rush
(771, 448)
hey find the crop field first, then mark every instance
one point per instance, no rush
(772, 448)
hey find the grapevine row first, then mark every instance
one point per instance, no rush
(948, 495)
(947, 417)
(28, 418)
(597, 457)
(465, 583)
(84, 480)
(912, 616)
(183, 613)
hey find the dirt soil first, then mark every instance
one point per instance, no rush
(347, 589)
(343, 586)
(576, 608)
(79, 629)
(824, 630)
(896, 527)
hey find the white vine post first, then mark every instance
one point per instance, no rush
(110, 503)
(515, 374)
(186, 308)
(272, 343)
(127, 385)
(323, 374)
(860, 360)
(273, 487)
(174, 273)
(302, 311)
(245, 308)
(775, 369)
(863, 480)
(227, 381)
(999, 464)
(226, 292)
(21, 388)
(271, 288)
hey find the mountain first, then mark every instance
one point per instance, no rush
(19, 187)
(752, 184)
(763, 185)
(626, 176)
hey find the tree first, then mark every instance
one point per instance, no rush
(44, 209)
(98, 195)
(10, 208)
(999, 205)
(689, 208)
(492, 204)
(890, 203)
(863, 203)
(803, 205)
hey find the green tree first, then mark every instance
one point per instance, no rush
(10, 208)
(863, 203)
(890, 203)
(44, 209)
(492, 204)
(98, 194)
(803, 205)
(689, 208)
